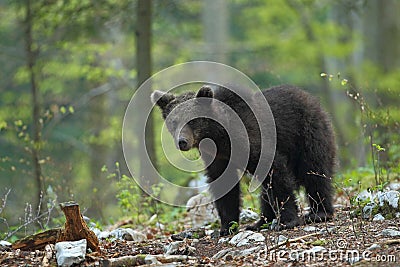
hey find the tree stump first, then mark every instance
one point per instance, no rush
(75, 227)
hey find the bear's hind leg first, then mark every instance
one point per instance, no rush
(277, 198)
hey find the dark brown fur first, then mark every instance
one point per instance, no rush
(305, 152)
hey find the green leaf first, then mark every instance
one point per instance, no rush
(3, 125)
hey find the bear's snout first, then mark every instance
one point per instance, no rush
(183, 144)
(184, 139)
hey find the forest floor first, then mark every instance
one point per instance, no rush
(340, 242)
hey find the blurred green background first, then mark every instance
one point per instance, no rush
(69, 69)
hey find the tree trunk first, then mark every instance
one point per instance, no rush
(31, 54)
(382, 38)
(215, 25)
(144, 66)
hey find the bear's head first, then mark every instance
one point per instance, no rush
(190, 117)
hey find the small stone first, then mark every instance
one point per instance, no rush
(390, 197)
(173, 247)
(327, 230)
(364, 196)
(222, 253)
(310, 228)
(151, 259)
(223, 240)
(374, 247)
(394, 186)
(201, 210)
(378, 217)
(70, 253)
(127, 234)
(230, 252)
(209, 232)
(4, 243)
(282, 238)
(245, 238)
(367, 210)
(354, 260)
(194, 233)
(274, 224)
(248, 216)
(390, 233)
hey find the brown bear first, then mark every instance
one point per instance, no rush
(304, 155)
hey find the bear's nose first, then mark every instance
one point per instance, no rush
(183, 144)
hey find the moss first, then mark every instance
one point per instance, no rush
(319, 242)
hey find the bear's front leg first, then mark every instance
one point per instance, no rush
(226, 201)
(228, 210)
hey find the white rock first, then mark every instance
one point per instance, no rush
(246, 237)
(96, 231)
(103, 235)
(247, 216)
(69, 253)
(223, 240)
(327, 230)
(390, 233)
(397, 214)
(209, 232)
(274, 224)
(236, 253)
(394, 186)
(374, 247)
(160, 225)
(127, 234)
(282, 238)
(354, 260)
(173, 247)
(378, 217)
(367, 210)
(364, 196)
(201, 210)
(151, 259)
(391, 197)
(310, 228)
(222, 253)
(5, 243)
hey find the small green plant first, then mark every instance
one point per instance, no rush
(233, 227)
(142, 208)
(266, 225)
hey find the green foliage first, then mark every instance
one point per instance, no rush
(142, 208)
(233, 227)
(86, 75)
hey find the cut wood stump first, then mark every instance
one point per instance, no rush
(75, 227)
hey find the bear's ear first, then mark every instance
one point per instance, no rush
(161, 99)
(205, 91)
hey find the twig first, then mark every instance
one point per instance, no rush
(293, 240)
